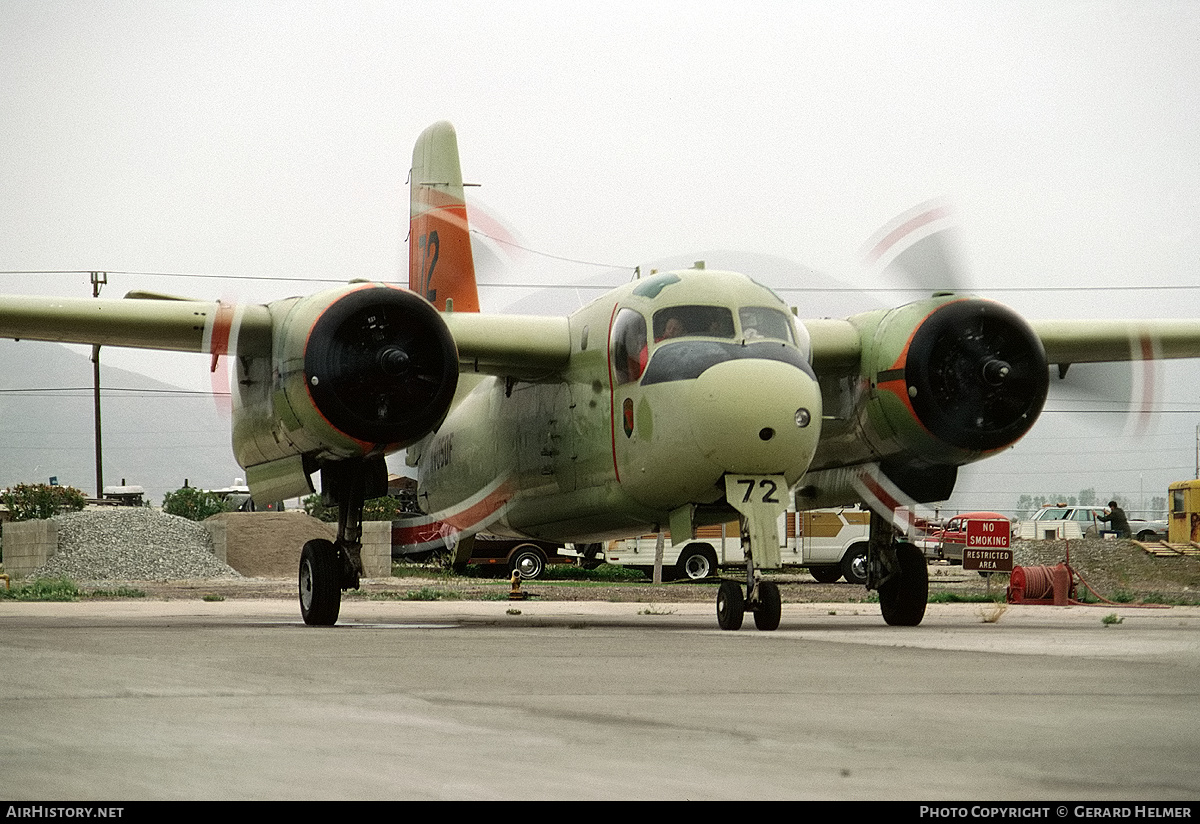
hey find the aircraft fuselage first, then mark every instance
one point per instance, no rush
(674, 381)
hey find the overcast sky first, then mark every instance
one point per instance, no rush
(272, 139)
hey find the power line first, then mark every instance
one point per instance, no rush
(605, 287)
(548, 255)
(51, 391)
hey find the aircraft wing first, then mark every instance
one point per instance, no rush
(173, 325)
(521, 346)
(1093, 341)
(517, 345)
(837, 344)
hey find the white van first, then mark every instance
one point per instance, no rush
(831, 543)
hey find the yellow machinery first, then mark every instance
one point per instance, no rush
(1184, 524)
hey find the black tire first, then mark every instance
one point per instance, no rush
(1147, 535)
(854, 564)
(903, 597)
(696, 562)
(591, 555)
(826, 574)
(731, 605)
(528, 560)
(769, 608)
(320, 583)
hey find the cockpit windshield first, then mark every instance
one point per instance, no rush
(693, 321)
(760, 322)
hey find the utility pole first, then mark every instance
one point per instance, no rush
(99, 279)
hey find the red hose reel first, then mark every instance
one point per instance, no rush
(1041, 585)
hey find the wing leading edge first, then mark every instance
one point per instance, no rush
(837, 344)
(172, 325)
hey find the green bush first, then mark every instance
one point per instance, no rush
(385, 508)
(29, 502)
(193, 504)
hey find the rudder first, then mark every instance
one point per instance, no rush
(440, 265)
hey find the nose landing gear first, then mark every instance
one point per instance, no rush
(760, 499)
(761, 598)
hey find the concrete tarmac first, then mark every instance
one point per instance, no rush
(237, 699)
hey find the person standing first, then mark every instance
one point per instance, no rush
(1115, 517)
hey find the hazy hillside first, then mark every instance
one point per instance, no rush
(155, 436)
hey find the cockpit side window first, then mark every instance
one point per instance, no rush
(627, 346)
(693, 321)
(761, 322)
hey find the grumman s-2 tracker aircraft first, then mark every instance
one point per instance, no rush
(680, 399)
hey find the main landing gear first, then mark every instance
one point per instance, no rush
(899, 572)
(328, 567)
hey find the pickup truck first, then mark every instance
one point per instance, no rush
(1074, 522)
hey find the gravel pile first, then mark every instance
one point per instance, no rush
(132, 544)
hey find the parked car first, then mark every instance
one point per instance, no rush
(516, 555)
(1074, 522)
(507, 555)
(1140, 530)
(948, 542)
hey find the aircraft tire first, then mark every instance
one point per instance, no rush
(902, 599)
(731, 605)
(825, 573)
(320, 583)
(698, 561)
(770, 606)
(854, 564)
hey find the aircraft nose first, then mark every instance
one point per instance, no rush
(757, 417)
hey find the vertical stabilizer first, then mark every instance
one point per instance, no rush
(440, 266)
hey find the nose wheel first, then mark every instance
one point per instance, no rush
(760, 500)
(762, 600)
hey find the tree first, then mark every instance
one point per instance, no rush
(193, 504)
(28, 502)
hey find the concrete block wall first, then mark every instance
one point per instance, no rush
(219, 531)
(377, 548)
(28, 545)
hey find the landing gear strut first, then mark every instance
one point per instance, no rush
(899, 572)
(760, 500)
(328, 567)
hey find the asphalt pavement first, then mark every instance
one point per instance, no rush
(479, 700)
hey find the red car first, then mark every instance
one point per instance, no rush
(948, 542)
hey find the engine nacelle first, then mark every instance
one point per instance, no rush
(951, 380)
(355, 372)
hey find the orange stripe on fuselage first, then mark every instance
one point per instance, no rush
(431, 528)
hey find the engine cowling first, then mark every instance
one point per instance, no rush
(952, 379)
(381, 367)
(357, 371)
